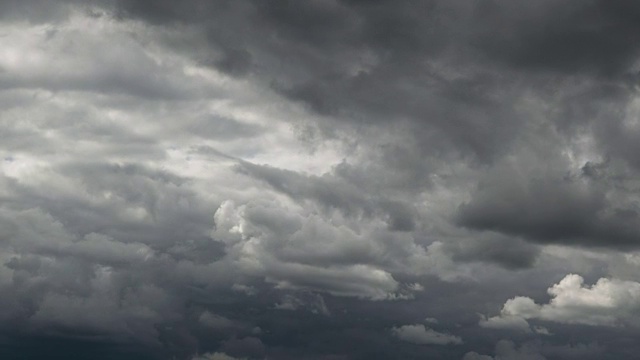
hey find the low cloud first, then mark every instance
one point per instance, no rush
(608, 302)
(215, 356)
(421, 335)
(313, 303)
(507, 350)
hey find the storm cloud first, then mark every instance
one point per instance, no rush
(333, 179)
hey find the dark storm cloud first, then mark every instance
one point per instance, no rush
(454, 68)
(595, 37)
(590, 209)
(460, 74)
(493, 248)
(365, 62)
(318, 179)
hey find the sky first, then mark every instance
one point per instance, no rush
(319, 179)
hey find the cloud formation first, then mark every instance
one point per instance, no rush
(507, 350)
(608, 302)
(421, 335)
(293, 180)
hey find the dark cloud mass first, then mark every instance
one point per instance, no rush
(322, 179)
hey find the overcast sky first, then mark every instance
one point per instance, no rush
(321, 179)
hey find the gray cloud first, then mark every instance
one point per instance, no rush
(419, 334)
(296, 180)
(583, 209)
(507, 350)
(332, 192)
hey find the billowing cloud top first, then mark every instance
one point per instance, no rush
(318, 179)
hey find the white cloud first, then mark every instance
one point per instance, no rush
(421, 335)
(608, 302)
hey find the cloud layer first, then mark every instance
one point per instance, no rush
(312, 180)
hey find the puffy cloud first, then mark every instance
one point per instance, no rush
(421, 335)
(608, 302)
(295, 248)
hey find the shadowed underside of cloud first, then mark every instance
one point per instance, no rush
(591, 208)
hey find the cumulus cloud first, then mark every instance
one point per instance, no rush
(421, 335)
(608, 302)
(295, 248)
